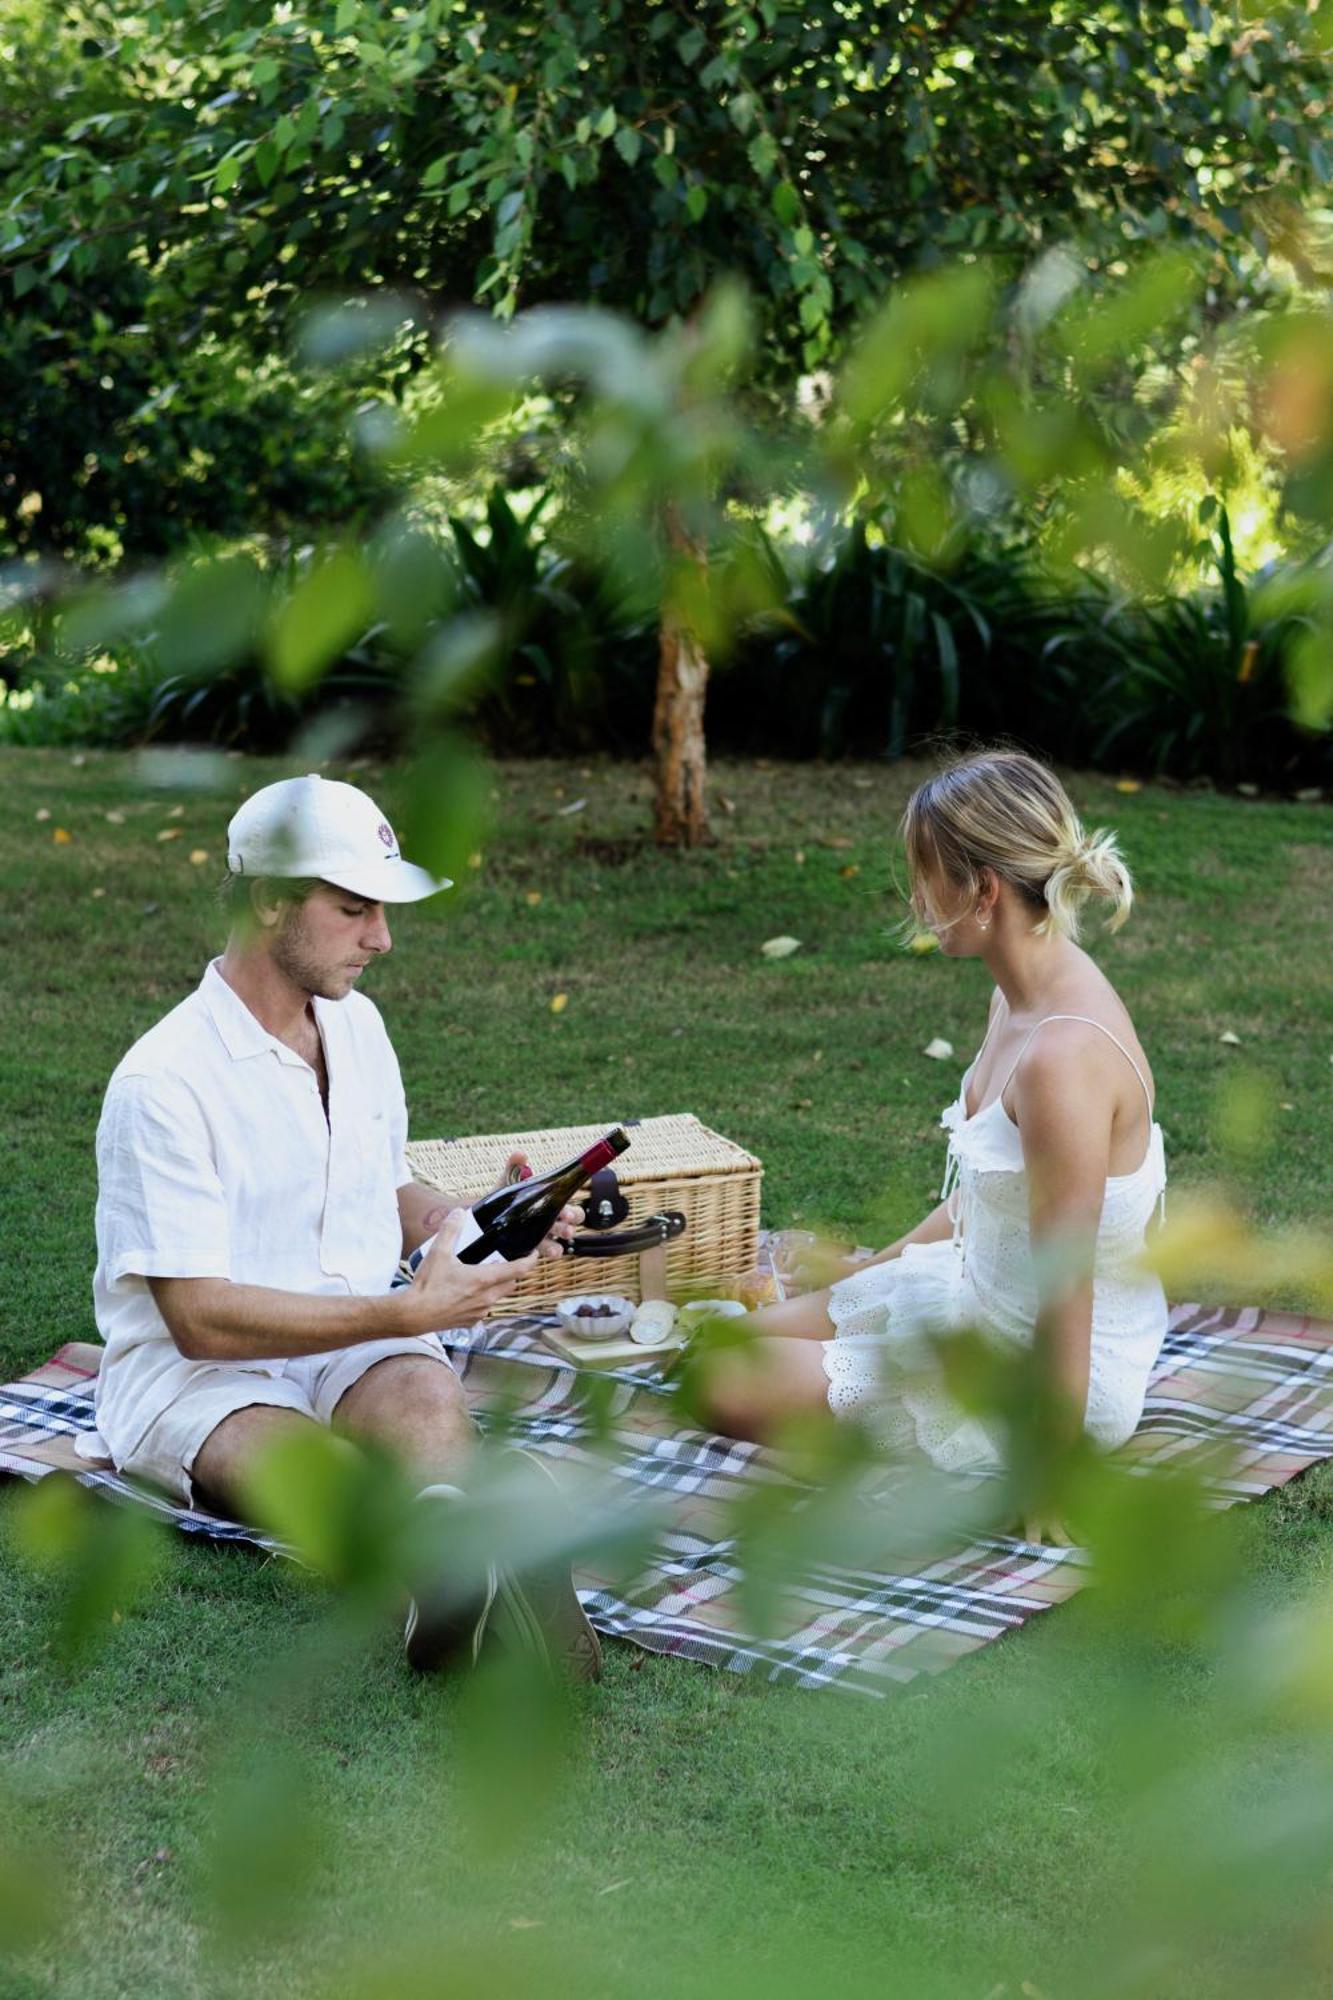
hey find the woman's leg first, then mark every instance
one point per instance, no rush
(754, 1390)
(805, 1318)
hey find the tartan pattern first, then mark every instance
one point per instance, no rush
(1247, 1394)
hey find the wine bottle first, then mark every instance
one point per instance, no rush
(514, 1219)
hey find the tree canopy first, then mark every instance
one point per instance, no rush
(177, 179)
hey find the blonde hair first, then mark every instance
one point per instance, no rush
(1003, 810)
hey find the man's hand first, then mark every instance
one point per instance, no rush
(447, 1293)
(518, 1167)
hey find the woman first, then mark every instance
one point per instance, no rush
(1055, 1161)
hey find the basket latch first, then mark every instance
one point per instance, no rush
(606, 1205)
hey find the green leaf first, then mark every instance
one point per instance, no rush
(267, 161)
(1097, 335)
(105, 1557)
(228, 173)
(690, 46)
(329, 608)
(696, 201)
(346, 15)
(263, 1843)
(437, 170)
(786, 204)
(628, 144)
(264, 71)
(606, 124)
(762, 153)
(212, 615)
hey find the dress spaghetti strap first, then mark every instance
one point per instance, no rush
(1089, 1022)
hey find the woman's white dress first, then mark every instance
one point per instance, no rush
(882, 1367)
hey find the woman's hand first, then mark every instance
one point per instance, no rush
(1042, 1528)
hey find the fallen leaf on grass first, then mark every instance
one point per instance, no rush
(62, 836)
(923, 942)
(938, 1050)
(1310, 794)
(727, 805)
(474, 861)
(852, 868)
(559, 1002)
(43, 812)
(175, 812)
(564, 812)
(532, 898)
(799, 857)
(115, 818)
(1128, 785)
(171, 833)
(99, 892)
(1232, 1041)
(780, 947)
(198, 856)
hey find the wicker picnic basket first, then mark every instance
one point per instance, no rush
(672, 1163)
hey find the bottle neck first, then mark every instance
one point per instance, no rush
(597, 1157)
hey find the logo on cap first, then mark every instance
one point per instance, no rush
(386, 833)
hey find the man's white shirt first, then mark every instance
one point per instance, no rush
(215, 1160)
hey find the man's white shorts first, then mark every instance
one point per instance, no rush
(189, 1399)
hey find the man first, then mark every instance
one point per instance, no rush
(254, 1202)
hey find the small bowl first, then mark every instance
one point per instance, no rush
(609, 1326)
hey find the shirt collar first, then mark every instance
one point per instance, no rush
(241, 1032)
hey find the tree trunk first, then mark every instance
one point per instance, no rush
(680, 816)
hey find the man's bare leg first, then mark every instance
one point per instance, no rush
(223, 1461)
(416, 1408)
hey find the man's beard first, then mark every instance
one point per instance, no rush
(292, 954)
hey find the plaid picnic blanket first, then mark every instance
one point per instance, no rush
(1253, 1390)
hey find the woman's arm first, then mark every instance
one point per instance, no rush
(937, 1228)
(1064, 1103)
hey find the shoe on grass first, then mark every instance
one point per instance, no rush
(537, 1610)
(445, 1625)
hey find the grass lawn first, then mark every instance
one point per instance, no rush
(963, 1838)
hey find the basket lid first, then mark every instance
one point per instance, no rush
(674, 1147)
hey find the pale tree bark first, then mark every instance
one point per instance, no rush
(680, 815)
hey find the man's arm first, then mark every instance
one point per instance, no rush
(211, 1319)
(422, 1210)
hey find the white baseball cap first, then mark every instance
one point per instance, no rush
(322, 827)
